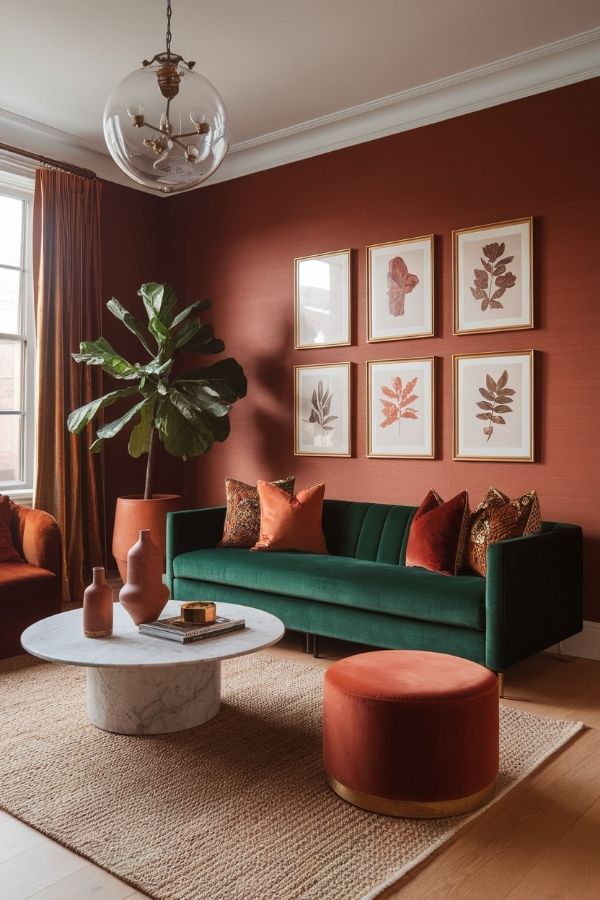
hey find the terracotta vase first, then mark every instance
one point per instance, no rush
(144, 595)
(98, 606)
(132, 514)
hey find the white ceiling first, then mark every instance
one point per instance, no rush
(277, 63)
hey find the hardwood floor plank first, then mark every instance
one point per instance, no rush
(88, 882)
(32, 870)
(16, 837)
(571, 867)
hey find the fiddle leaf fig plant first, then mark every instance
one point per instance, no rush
(187, 412)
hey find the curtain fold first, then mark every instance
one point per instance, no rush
(68, 309)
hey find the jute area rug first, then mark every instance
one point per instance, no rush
(237, 809)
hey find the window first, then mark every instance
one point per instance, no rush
(17, 344)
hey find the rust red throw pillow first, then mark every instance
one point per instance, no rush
(291, 523)
(7, 548)
(438, 534)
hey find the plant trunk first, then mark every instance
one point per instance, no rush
(150, 466)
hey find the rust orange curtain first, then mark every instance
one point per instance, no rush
(68, 307)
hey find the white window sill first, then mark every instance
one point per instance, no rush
(21, 496)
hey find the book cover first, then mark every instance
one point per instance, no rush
(174, 628)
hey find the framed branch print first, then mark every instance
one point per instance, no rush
(400, 417)
(493, 277)
(400, 289)
(322, 410)
(322, 300)
(493, 406)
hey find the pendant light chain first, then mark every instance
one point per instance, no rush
(169, 11)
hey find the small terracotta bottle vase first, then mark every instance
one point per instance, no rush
(98, 606)
(144, 595)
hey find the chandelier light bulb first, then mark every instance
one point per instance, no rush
(146, 123)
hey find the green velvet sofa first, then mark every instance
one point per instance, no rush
(530, 599)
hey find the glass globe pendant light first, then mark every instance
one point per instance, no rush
(164, 124)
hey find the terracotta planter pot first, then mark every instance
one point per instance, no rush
(144, 595)
(134, 514)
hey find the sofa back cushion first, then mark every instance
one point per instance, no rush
(377, 532)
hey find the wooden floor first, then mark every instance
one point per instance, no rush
(540, 841)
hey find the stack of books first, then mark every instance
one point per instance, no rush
(175, 629)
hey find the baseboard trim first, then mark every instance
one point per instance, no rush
(585, 643)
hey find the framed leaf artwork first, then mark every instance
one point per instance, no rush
(322, 410)
(493, 277)
(493, 406)
(400, 289)
(400, 413)
(322, 300)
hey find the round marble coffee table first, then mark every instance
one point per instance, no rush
(137, 684)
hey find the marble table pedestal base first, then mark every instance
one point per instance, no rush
(153, 699)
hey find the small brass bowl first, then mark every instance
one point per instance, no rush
(200, 612)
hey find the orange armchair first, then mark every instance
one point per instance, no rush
(29, 589)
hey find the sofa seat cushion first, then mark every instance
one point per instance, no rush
(22, 576)
(397, 590)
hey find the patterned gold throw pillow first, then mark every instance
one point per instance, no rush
(242, 519)
(496, 519)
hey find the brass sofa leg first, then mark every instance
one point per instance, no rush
(309, 642)
(315, 638)
(500, 684)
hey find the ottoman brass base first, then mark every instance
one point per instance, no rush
(413, 809)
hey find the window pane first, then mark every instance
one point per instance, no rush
(9, 301)
(11, 214)
(11, 428)
(10, 375)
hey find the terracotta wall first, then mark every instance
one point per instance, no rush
(237, 241)
(132, 252)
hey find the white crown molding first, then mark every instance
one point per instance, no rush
(38, 137)
(544, 68)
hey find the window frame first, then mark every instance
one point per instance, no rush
(22, 188)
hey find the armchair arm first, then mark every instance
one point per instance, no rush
(192, 529)
(534, 594)
(37, 538)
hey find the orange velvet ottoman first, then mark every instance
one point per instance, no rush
(411, 733)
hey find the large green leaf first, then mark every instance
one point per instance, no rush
(205, 342)
(139, 439)
(159, 300)
(183, 315)
(156, 367)
(225, 377)
(131, 322)
(79, 418)
(100, 353)
(201, 397)
(220, 426)
(111, 428)
(180, 435)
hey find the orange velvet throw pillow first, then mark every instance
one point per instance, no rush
(291, 523)
(438, 534)
(7, 548)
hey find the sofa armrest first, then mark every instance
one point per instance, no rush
(534, 594)
(37, 538)
(192, 529)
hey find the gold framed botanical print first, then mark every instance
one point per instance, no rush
(400, 408)
(322, 307)
(400, 289)
(322, 410)
(493, 406)
(493, 277)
